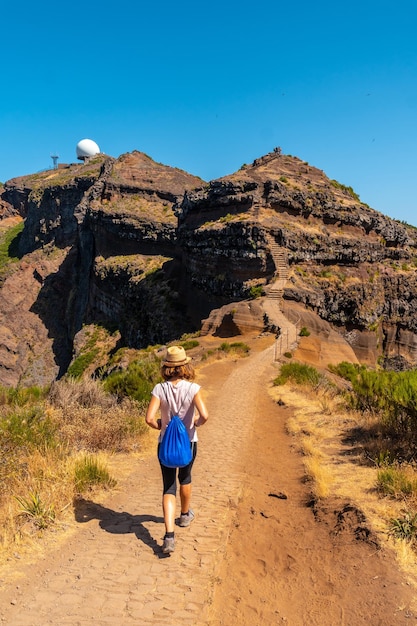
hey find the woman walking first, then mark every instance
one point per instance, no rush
(178, 394)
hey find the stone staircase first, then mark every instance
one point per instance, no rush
(287, 339)
(255, 209)
(279, 256)
(255, 315)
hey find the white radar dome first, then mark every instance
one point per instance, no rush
(86, 148)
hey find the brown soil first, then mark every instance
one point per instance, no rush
(259, 552)
(292, 561)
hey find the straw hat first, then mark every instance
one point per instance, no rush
(175, 355)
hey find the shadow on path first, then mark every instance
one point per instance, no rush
(118, 523)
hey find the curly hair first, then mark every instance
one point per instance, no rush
(186, 371)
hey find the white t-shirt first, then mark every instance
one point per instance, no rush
(178, 399)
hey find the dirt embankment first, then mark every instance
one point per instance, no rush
(257, 553)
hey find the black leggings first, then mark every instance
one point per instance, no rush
(169, 474)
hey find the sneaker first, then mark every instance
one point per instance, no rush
(185, 520)
(168, 545)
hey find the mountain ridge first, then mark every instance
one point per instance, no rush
(152, 251)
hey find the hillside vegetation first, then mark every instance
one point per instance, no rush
(381, 408)
(55, 442)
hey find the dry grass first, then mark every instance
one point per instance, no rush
(91, 429)
(320, 476)
(47, 477)
(320, 425)
(66, 394)
(91, 419)
(56, 449)
(139, 207)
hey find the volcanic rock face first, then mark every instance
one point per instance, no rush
(114, 224)
(153, 251)
(352, 265)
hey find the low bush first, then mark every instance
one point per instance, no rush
(90, 472)
(189, 344)
(81, 363)
(49, 439)
(34, 509)
(93, 429)
(299, 373)
(84, 393)
(29, 428)
(256, 292)
(405, 527)
(91, 419)
(9, 243)
(397, 481)
(137, 381)
(390, 395)
(236, 346)
(346, 370)
(21, 396)
(345, 188)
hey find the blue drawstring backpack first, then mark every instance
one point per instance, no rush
(175, 447)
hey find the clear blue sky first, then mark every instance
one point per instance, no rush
(208, 86)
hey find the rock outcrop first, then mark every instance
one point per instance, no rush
(353, 266)
(112, 225)
(154, 251)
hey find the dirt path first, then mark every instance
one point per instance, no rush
(291, 561)
(281, 566)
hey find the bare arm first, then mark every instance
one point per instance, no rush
(202, 410)
(151, 413)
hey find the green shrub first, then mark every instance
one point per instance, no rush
(240, 346)
(299, 373)
(236, 346)
(304, 332)
(346, 370)
(288, 355)
(81, 363)
(90, 472)
(392, 395)
(28, 427)
(21, 396)
(34, 509)
(404, 528)
(9, 244)
(190, 344)
(227, 218)
(348, 190)
(137, 381)
(396, 482)
(383, 458)
(299, 270)
(256, 292)
(207, 354)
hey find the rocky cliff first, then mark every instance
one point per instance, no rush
(151, 251)
(353, 266)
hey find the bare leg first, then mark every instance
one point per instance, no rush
(168, 507)
(185, 495)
